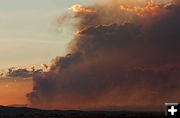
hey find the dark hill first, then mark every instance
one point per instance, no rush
(24, 112)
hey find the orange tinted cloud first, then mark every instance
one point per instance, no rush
(150, 8)
(78, 8)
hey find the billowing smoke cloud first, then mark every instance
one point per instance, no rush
(118, 58)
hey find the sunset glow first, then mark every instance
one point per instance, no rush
(14, 91)
(88, 54)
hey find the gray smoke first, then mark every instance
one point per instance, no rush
(115, 63)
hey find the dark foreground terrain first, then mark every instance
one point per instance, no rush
(23, 112)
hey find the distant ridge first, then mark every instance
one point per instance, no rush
(9, 110)
(18, 105)
(25, 112)
(128, 108)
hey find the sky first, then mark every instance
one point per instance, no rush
(30, 36)
(101, 53)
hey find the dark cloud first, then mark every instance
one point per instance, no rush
(21, 72)
(115, 63)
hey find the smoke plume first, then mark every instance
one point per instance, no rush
(120, 56)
